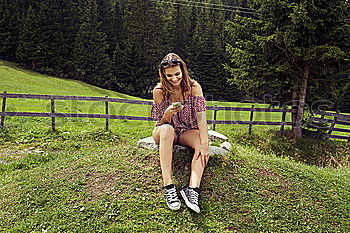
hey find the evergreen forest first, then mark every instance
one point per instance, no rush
(237, 49)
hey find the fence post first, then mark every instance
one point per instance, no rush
(322, 115)
(215, 112)
(3, 109)
(107, 123)
(251, 119)
(332, 125)
(53, 119)
(283, 120)
(335, 118)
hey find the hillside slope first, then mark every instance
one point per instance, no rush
(29, 82)
(102, 182)
(85, 179)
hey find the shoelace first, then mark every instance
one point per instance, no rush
(194, 196)
(171, 195)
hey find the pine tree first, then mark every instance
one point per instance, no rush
(9, 27)
(90, 58)
(208, 52)
(180, 30)
(343, 103)
(118, 22)
(29, 50)
(142, 49)
(59, 30)
(291, 43)
(119, 69)
(108, 27)
(12, 13)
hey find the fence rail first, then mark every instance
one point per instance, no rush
(339, 115)
(248, 109)
(338, 119)
(330, 121)
(66, 97)
(76, 115)
(53, 114)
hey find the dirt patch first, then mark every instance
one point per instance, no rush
(95, 182)
(99, 184)
(69, 174)
(284, 185)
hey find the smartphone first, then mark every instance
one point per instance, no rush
(176, 104)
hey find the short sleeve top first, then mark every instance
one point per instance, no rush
(184, 119)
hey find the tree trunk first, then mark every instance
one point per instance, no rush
(301, 99)
(294, 88)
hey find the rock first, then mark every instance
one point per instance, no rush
(181, 149)
(39, 151)
(213, 135)
(226, 145)
(182, 152)
(148, 144)
(215, 150)
(3, 162)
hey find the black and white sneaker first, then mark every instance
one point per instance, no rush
(191, 197)
(171, 198)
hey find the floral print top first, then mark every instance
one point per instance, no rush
(183, 120)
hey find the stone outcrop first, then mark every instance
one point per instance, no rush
(214, 136)
(224, 148)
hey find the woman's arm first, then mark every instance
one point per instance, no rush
(203, 127)
(158, 97)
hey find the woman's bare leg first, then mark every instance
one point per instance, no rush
(191, 139)
(164, 135)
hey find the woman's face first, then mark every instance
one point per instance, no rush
(173, 75)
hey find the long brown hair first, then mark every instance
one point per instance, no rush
(186, 81)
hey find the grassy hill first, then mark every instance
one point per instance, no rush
(15, 79)
(84, 179)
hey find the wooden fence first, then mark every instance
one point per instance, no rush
(251, 121)
(53, 114)
(338, 119)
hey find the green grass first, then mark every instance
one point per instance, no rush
(85, 179)
(15, 79)
(102, 182)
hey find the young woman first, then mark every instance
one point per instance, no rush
(179, 109)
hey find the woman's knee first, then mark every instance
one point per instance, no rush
(166, 131)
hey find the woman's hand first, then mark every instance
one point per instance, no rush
(171, 110)
(203, 155)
